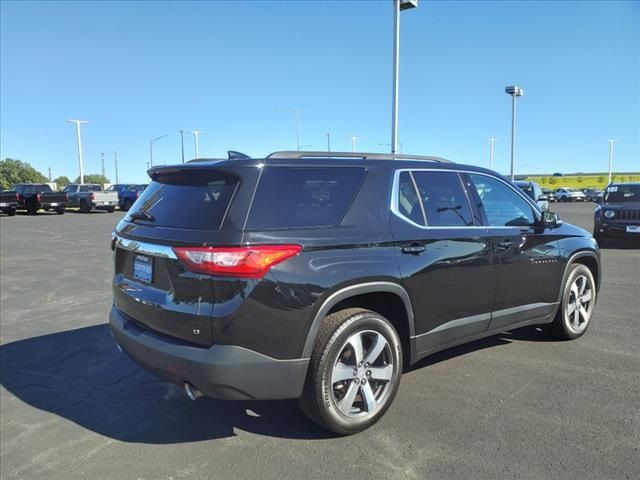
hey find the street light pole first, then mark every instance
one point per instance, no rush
(398, 5)
(353, 142)
(328, 141)
(151, 142)
(611, 142)
(115, 161)
(514, 91)
(182, 143)
(492, 140)
(102, 162)
(196, 135)
(79, 139)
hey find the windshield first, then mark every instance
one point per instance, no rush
(622, 193)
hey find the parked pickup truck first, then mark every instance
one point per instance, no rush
(127, 194)
(34, 196)
(8, 202)
(89, 196)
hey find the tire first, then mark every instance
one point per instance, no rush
(84, 207)
(32, 210)
(127, 205)
(111, 209)
(578, 285)
(334, 356)
(11, 212)
(60, 210)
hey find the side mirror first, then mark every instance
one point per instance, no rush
(550, 219)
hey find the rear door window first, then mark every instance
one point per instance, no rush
(294, 197)
(198, 202)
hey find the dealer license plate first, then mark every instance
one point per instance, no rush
(143, 268)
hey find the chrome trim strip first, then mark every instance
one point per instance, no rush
(144, 248)
(522, 308)
(395, 209)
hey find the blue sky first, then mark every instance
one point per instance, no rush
(137, 70)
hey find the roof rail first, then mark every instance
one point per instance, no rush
(288, 154)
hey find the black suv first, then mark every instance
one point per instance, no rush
(321, 276)
(618, 212)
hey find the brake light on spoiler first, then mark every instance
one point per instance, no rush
(246, 262)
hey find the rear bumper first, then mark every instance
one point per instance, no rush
(222, 371)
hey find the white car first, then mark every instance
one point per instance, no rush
(570, 195)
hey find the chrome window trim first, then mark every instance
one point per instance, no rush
(395, 189)
(144, 248)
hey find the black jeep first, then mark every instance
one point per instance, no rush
(321, 276)
(618, 212)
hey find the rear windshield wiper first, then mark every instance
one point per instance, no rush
(142, 215)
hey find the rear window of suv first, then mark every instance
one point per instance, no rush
(188, 201)
(295, 197)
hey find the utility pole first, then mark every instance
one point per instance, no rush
(182, 143)
(196, 134)
(611, 142)
(79, 140)
(102, 162)
(328, 141)
(49, 173)
(115, 161)
(492, 141)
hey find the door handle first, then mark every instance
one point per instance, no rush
(505, 245)
(414, 249)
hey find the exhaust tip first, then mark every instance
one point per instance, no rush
(192, 392)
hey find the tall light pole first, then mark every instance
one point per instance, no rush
(115, 161)
(492, 142)
(353, 139)
(79, 138)
(182, 143)
(398, 5)
(328, 141)
(151, 142)
(611, 142)
(196, 135)
(297, 111)
(515, 92)
(102, 163)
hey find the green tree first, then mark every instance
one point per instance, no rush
(600, 180)
(94, 178)
(552, 180)
(579, 179)
(14, 171)
(62, 181)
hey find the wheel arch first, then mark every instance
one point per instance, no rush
(376, 296)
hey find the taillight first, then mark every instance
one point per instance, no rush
(246, 262)
(38, 197)
(17, 197)
(137, 193)
(93, 196)
(66, 197)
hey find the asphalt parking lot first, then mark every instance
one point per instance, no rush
(512, 406)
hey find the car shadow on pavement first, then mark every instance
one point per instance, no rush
(525, 334)
(81, 376)
(620, 244)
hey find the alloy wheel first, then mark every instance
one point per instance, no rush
(362, 374)
(579, 305)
